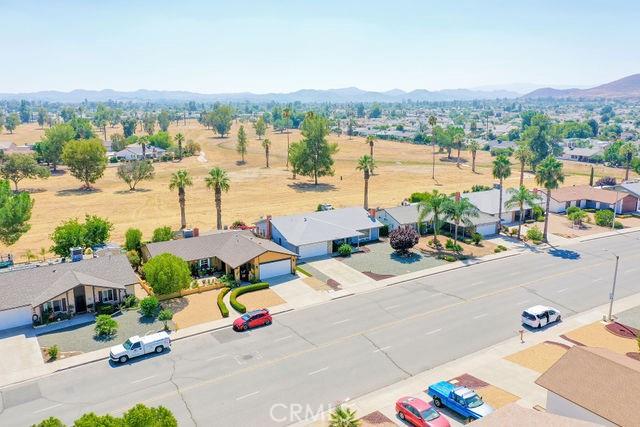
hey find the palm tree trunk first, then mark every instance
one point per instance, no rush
(458, 158)
(181, 201)
(218, 198)
(371, 150)
(473, 162)
(287, 150)
(180, 150)
(521, 219)
(433, 164)
(500, 209)
(626, 172)
(546, 217)
(366, 192)
(144, 151)
(521, 173)
(455, 234)
(266, 152)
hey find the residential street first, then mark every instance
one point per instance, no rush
(337, 350)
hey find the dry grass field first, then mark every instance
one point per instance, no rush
(255, 191)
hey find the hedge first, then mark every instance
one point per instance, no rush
(221, 305)
(243, 290)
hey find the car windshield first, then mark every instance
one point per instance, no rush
(246, 317)
(429, 414)
(127, 344)
(474, 401)
(528, 316)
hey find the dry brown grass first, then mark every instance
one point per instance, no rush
(260, 299)
(539, 357)
(596, 335)
(194, 309)
(496, 397)
(255, 191)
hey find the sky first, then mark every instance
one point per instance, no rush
(285, 45)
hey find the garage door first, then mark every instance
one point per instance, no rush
(15, 317)
(275, 268)
(486, 229)
(315, 249)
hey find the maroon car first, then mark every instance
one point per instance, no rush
(252, 319)
(419, 413)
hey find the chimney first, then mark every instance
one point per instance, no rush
(457, 196)
(268, 231)
(372, 213)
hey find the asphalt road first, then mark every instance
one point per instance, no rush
(312, 358)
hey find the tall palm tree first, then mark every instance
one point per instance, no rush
(519, 198)
(366, 164)
(473, 146)
(461, 211)
(501, 171)
(434, 204)
(143, 140)
(371, 140)
(266, 144)
(458, 141)
(343, 417)
(628, 151)
(549, 174)
(218, 181)
(286, 113)
(179, 139)
(524, 155)
(180, 180)
(432, 122)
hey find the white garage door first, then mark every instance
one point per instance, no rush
(314, 249)
(275, 268)
(15, 317)
(486, 229)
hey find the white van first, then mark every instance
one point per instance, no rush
(138, 346)
(539, 316)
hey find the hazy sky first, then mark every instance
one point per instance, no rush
(264, 46)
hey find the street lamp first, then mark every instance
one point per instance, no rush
(613, 287)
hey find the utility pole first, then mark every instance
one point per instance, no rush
(613, 290)
(615, 206)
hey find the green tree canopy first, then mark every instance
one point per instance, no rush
(260, 127)
(167, 273)
(129, 126)
(220, 119)
(86, 160)
(54, 141)
(18, 166)
(162, 234)
(135, 171)
(72, 233)
(316, 157)
(12, 122)
(164, 119)
(15, 212)
(161, 140)
(241, 146)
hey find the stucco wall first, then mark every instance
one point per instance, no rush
(559, 405)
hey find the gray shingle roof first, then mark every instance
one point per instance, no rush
(409, 215)
(36, 285)
(234, 247)
(324, 226)
(488, 201)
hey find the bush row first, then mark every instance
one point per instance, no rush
(243, 290)
(221, 305)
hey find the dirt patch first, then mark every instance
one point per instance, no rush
(377, 419)
(469, 381)
(634, 355)
(194, 309)
(376, 276)
(260, 299)
(597, 335)
(316, 284)
(539, 357)
(485, 248)
(622, 331)
(334, 285)
(496, 396)
(61, 355)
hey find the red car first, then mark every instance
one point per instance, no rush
(252, 319)
(419, 413)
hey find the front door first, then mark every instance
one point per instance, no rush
(80, 299)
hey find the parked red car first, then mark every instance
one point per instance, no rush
(419, 413)
(252, 319)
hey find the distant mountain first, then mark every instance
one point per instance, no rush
(342, 95)
(624, 88)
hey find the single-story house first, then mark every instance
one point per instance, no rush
(236, 252)
(8, 147)
(74, 287)
(516, 415)
(485, 224)
(585, 196)
(319, 233)
(134, 152)
(595, 385)
(581, 154)
(632, 188)
(488, 202)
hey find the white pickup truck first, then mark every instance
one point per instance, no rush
(138, 346)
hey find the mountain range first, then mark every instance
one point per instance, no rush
(624, 88)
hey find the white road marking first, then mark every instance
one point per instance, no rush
(480, 316)
(47, 408)
(143, 379)
(216, 357)
(382, 349)
(562, 290)
(319, 370)
(341, 321)
(631, 270)
(247, 395)
(477, 283)
(515, 273)
(598, 279)
(282, 338)
(435, 331)
(391, 307)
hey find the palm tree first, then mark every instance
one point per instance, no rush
(266, 144)
(218, 181)
(627, 151)
(577, 217)
(549, 174)
(366, 164)
(143, 143)
(501, 171)
(343, 417)
(434, 204)
(473, 146)
(179, 139)
(180, 180)
(461, 211)
(371, 140)
(519, 198)
(524, 155)
(432, 122)
(458, 140)
(286, 113)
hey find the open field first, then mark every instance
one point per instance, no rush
(255, 190)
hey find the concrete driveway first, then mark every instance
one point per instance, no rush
(340, 272)
(19, 353)
(295, 291)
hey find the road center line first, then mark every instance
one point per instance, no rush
(391, 307)
(319, 370)
(216, 357)
(247, 395)
(382, 349)
(480, 316)
(477, 283)
(143, 379)
(562, 290)
(435, 331)
(341, 321)
(282, 338)
(47, 408)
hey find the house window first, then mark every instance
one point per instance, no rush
(106, 295)
(56, 305)
(204, 263)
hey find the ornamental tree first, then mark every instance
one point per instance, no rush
(167, 273)
(403, 238)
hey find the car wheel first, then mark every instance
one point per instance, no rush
(123, 359)
(245, 327)
(401, 415)
(268, 322)
(437, 402)
(559, 319)
(159, 349)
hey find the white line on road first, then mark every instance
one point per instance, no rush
(216, 357)
(631, 270)
(391, 307)
(143, 379)
(47, 408)
(480, 316)
(477, 283)
(247, 395)
(435, 331)
(382, 349)
(282, 338)
(319, 370)
(341, 321)
(562, 290)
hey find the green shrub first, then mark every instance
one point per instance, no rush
(149, 306)
(164, 316)
(162, 234)
(534, 234)
(449, 258)
(451, 246)
(221, 305)
(53, 351)
(345, 249)
(50, 422)
(303, 271)
(572, 209)
(167, 273)
(476, 238)
(134, 259)
(130, 301)
(229, 280)
(618, 225)
(604, 218)
(384, 231)
(132, 239)
(105, 309)
(105, 325)
(538, 213)
(243, 290)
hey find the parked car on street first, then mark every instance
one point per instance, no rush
(539, 316)
(138, 346)
(460, 400)
(419, 413)
(253, 319)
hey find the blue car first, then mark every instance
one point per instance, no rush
(460, 400)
